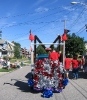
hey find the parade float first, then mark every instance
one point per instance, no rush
(47, 76)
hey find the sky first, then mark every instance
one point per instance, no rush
(45, 18)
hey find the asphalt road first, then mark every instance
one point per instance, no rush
(13, 86)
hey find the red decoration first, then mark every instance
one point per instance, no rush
(64, 37)
(31, 48)
(31, 36)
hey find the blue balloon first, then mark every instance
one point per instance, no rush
(47, 94)
(65, 82)
(30, 82)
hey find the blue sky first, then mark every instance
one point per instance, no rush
(43, 17)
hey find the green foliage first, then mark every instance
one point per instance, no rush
(40, 50)
(17, 49)
(6, 70)
(74, 45)
(6, 58)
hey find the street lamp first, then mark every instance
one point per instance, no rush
(74, 3)
(79, 3)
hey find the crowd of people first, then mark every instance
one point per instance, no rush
(73, 64)
(7, 64)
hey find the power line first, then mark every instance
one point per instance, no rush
(81, 30)
(18, 15)
(78, 17)
(26, 23)
(39, 18)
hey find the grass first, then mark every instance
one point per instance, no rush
(25, 60)
(6, 70)
(20, 60)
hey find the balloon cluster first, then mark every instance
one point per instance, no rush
(48, 76)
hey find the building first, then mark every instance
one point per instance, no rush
(86, 48)
(24, 52)
(6, 48)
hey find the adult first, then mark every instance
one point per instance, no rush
(8, 64)
(75, 67)
(82, 63)
(54, 55)
(67, 65)
(61, 57)
(85, 64)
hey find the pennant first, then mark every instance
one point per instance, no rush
(31, 36)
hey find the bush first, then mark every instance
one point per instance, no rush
(6, 58)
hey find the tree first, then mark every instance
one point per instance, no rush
(74, 44)
(40, 50)
(17, 49)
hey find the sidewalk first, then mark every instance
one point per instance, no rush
(2, 73)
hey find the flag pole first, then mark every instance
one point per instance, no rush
(64, 44)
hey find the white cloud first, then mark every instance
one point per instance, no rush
(8, 14)
(4, 25)
(68, 8)
(40, 9)
(21, 39)
(55, 1)
(38, 2)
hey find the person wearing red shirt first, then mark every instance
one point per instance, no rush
(54, 55)
(67, 65)
(75, 67)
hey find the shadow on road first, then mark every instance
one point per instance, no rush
(24, 87)
(22, 84)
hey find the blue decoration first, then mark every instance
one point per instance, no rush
(48, 88)
(58, 90)
(47, 93)
(65, 82)
(37, 89)
(30, 82)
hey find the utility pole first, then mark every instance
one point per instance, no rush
(64, 43)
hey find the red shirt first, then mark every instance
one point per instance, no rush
(75, 63)
(54, 56)
(67, 63)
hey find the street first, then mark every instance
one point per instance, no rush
(13, 86)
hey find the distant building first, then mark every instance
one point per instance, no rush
(86, 48)
(24, 52)
(6, 48)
